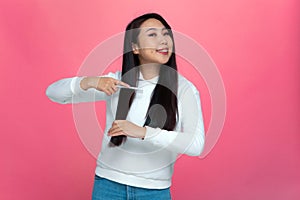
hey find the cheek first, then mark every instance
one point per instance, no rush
(150, 53)
(147, 53)
(146, 44)
(170, 42)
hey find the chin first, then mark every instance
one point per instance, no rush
(163, 61)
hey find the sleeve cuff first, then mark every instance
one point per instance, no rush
(151, 132)
(75, 85)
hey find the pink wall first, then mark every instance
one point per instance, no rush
(255, 45)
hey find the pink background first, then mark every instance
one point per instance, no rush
(255, 45)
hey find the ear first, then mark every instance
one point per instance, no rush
(135, 48)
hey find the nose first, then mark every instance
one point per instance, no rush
(163, 40)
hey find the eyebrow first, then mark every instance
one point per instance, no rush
(150, 29)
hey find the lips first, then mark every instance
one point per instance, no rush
(163, 51)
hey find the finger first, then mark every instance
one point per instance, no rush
(107, 92)
(117, 133)
(114, 128)
(114, 88)
(111, 90)
(122, 83)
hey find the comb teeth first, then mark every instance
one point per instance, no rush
(133, 88)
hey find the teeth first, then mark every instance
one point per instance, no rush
(163, 50)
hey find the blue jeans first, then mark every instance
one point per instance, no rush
(105, 189)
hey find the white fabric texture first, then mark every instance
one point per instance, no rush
(146, 163)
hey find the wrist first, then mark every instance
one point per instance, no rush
(83, 83)
(88, 82)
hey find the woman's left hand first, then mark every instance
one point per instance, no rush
(124, 127)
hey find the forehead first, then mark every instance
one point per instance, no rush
(152, 23)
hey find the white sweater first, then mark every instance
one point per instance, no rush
(147, 163)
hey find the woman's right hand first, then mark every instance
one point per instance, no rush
(107, 85)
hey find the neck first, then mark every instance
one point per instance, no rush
(150, 71)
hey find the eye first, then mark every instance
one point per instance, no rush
(166, 33)
(152, 34)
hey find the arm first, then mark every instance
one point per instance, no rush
(78, 89)
(191, 140)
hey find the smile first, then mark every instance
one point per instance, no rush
(163, 51)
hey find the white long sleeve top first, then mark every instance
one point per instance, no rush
(147, 163)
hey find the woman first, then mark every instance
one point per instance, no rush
(153, 114)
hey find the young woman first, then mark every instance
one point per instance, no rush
(153, 114)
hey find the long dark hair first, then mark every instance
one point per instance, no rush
(165, 91)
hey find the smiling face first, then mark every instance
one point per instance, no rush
(154, 44)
